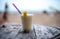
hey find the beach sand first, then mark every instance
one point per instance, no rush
(42, 19)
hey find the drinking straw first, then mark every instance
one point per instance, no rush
(17, 8)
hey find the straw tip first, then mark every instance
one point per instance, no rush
(16, 8)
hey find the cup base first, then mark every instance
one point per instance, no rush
(25, 31)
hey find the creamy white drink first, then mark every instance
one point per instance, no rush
(27, 22)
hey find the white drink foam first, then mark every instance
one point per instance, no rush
(28, 15)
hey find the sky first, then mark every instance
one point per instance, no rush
(31, 5)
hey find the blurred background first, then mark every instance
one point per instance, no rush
(46, 12)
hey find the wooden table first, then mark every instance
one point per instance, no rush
(38, 32)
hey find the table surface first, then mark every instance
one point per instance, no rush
(38, 32)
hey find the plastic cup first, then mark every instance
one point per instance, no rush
(27, 22)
